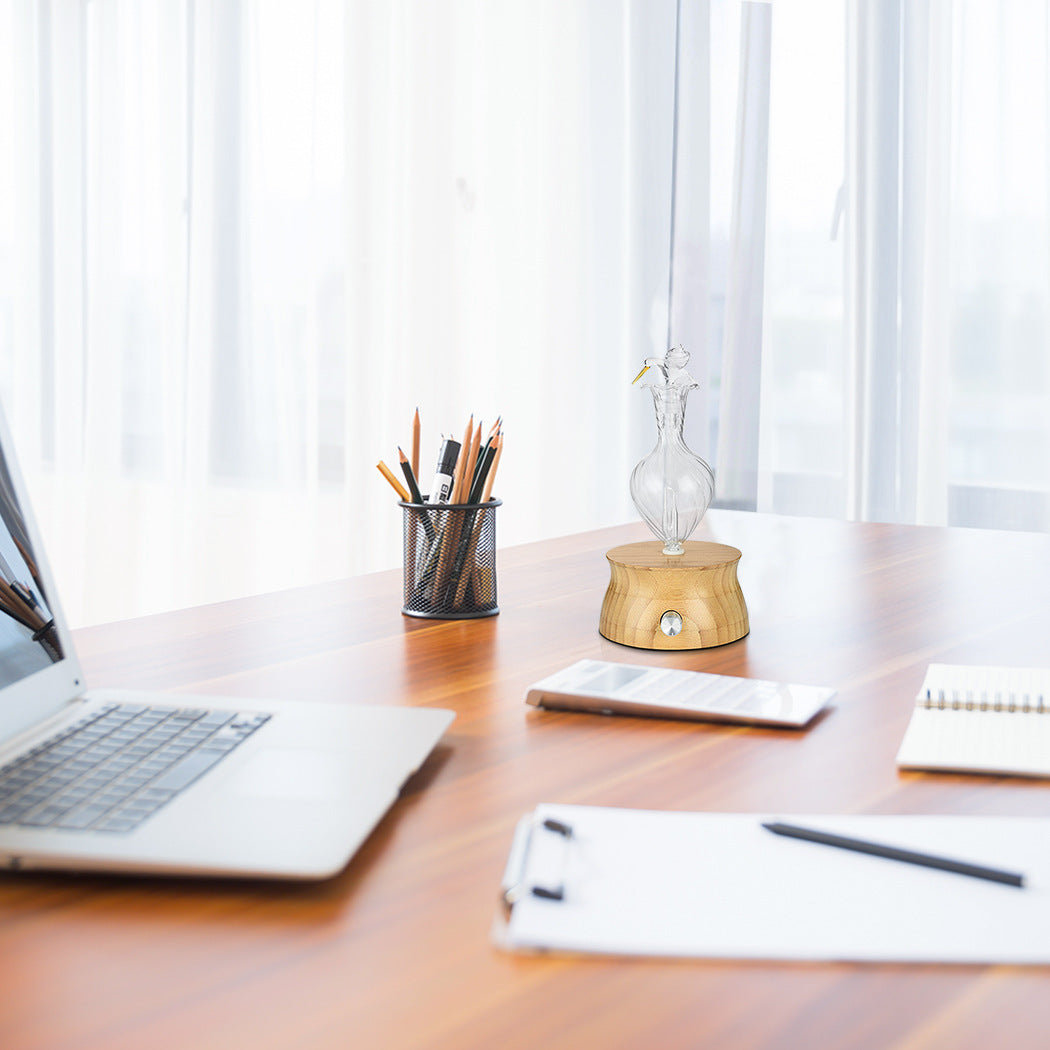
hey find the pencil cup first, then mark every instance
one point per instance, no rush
(450, 560)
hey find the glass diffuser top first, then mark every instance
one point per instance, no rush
(672, 487)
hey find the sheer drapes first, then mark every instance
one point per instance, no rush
(509, 230)
(247, 239)
(902, 329)
(177, 188)
(241, 241)
(741, 387)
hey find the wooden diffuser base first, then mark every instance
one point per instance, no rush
(673, 601)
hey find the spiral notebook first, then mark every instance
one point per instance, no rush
(980, 720)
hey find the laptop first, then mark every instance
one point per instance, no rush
(127, 781)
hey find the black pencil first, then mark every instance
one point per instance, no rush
(410, 477)
(926, 860)
(484, 449)
(484, 465)
(413, 488)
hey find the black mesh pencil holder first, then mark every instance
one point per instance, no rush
(450, 560)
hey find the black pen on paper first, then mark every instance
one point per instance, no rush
(927, 860)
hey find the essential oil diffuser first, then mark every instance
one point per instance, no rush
(672, 593)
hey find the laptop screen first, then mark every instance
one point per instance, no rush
(29, 641)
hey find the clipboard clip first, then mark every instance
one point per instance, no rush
(514, 887)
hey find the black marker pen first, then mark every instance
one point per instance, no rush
(442, 485)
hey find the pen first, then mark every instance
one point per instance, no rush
(895, 853)
(446, 466)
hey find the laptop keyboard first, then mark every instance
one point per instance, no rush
(117, 766)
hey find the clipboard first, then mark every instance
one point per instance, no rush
(624, 882)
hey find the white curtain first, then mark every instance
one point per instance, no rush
(244, 240)
(241, 241)
(901, 320)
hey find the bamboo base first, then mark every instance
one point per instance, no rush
(673, 601)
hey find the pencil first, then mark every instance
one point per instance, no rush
(472, 459)
(494, 430)
(394, 483)
(18, 619)
(27, 558)
(410, 476)
(498, 443)
(463, 527)
(485, 459)
(482, 455)
(464, 451)
(413, 488)
(24, 612)
(415, 444)
(877, 849)
(450, 537)
(481, 472)
(482, 582)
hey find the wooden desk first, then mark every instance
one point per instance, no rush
(395, 952)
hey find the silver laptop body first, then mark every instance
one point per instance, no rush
(110, 780)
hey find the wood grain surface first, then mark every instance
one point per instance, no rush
(395, 952)
(700, 585)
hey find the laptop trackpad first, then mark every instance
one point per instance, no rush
(293, 774)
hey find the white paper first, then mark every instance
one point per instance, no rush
(719, 885)
(980, 719)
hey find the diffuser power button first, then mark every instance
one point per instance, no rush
(671, 623)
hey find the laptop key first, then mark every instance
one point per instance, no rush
(44, 817)
(214, 720)
(184, 772)
(118, 824)
(12, 813)
(81, 818)
(112, 770)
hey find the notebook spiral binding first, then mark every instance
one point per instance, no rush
(970, 700)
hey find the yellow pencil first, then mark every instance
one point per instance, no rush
(482, 581)
(464, 450)
(394, 483)
(472, 459)
(415, 444)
